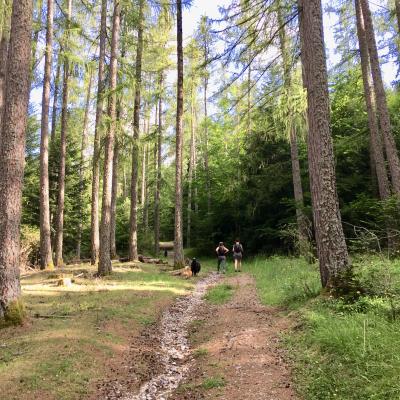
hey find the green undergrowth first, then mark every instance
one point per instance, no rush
(342, 348)
(72, 332)
(220, 294)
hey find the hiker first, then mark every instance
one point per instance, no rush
(237, 255)
(221, 251)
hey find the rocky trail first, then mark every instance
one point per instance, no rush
(203, 351)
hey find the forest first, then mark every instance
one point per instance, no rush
(148, 147)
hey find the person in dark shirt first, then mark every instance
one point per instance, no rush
(237, 255)
(221, 251)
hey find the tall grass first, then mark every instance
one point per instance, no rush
(340, 350)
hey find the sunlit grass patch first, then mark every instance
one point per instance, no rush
(341, 350)
(220, 294)
(213, 382)
(73, 331)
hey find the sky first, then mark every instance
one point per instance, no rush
(210, 8)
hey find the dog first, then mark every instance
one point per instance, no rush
(195, 267)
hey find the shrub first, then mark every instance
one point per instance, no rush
(30, 246)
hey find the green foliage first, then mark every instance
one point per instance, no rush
(213, 382)
(30, 245)
(15, 314)
(340, 349)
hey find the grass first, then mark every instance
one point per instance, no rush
(220, 294)
(213, 382)
(72, 332)
(340, 350)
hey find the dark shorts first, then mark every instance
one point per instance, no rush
(237, 256)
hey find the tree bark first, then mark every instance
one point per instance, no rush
(5, 38)
(331, 245)
(397, 7)
(192, 151)
(114, 197)
(55, 99)
(12, 153)
(159, 165)
(376, 142)
(94, 236)
(46, 256)
(84, 145)
(380, 95)
(133, 250)
(178, 238)
(104, 267)
(59, 237)
(302, 223)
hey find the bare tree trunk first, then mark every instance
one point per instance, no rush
(12, 155)
(146, 168)
(5, 38)
(143, 186)
(302, 223)
(178, 239)
(94, 237)
(133, 250)
(376, 143)
(205, 144)
(114, 191)
(191, 168)
(35, 39)
(331, 245)
(46, 256)
(383, 112)
(55, 99)
(82, 167)
(159, 165)
(114, 197)
(105, 267)
(397, 6)
(59, 237)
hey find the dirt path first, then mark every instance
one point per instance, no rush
(238, 352)
(197, 351)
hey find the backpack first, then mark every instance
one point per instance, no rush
(221, 251)
(237, 248)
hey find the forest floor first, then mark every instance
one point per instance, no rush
(233, 352)
(237, 346)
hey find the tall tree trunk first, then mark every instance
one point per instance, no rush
(145, 180)
(133, 250)
(5, 38)
(114, 197)
(380, 95)
(178, 239)
(46, 256)
(144, 172)
(63, 152)
(397, 6)
(331, 245)
(35, 38)
(191, 168)
(55, 99)
(114, 191)
(159, 165)
(302, 223)
(94, 236)
(205, 144)
(376, 142)
(12, 153)
(84, 145)
(105, 227)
